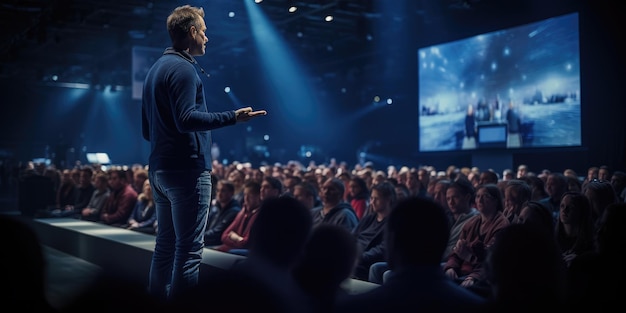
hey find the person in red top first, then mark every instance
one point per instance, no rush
(236, 236)
(359, 196)
(465, 263)
(121, 201)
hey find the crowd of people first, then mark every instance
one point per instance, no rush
(492, 221)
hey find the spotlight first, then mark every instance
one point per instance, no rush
(227, 89)
(293, 8)
(328, 18)
(231, 14)
(258, 1)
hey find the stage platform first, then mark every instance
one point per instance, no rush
(78, 251)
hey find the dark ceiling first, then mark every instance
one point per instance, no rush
(77, 40)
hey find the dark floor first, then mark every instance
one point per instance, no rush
(66, 275)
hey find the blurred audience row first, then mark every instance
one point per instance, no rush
(441, 241)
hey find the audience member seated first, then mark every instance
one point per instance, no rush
(556, 186)
(120, 202)
(414, 184)
(237, 177)
(289, 183)
(358, 196)
(574, 229)
(66, 194)
(573, 184)
(488, 177)
(537, 188)
(525, 271)
(306, 193)
(143, 216)
(465, 263)
(417, 283)
(83, 193)
(516, 194)
(537, 215)
(604, 173)
(263, 281)
(600, 194)
(221, 214)
(596, 279)
(618, 181)
(458, 198)
(402, 192)
(370, 230)
(140, 175)
(592, 174)
(439, 193)
(235, 238)
(333, 209)
(271, 187)
(98, 198)
(328, 260)
(22, 268)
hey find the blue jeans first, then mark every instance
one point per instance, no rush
(182, 199)
(379, 272)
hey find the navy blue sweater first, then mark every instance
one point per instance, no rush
(175, 118)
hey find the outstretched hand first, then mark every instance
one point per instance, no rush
(245, 114)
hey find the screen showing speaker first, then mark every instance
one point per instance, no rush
(513, 88)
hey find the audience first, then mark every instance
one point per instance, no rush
(417, 283)
(516, 194)
(618, 181)
(537, 187)
(459, 210)
(263, 281)
(121, 201)
(500, 244)
(370, 230)
(236, 236)
(465, 263)
(537, 215)
(358, 196)
(238, 178)
(328, 260)
(143, 216)
(600, 194)
(306, 193)
(555, 186)
(222, 213)
(271, 187)
(83, 192)
(99, 196)
(574, 229)
(596, 278)
(66, 194)
(525, 271)
(333, 209)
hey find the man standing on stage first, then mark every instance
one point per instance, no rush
(176, 121)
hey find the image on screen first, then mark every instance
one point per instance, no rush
(523, 80)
